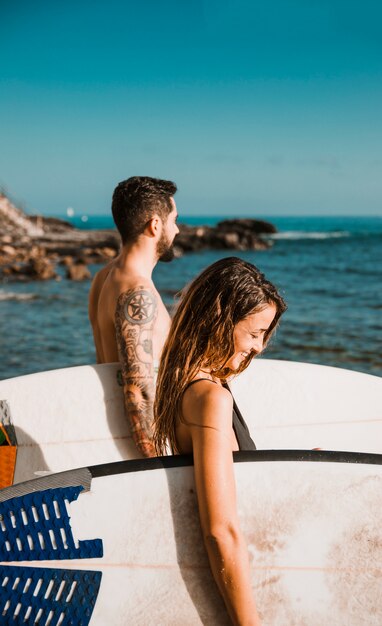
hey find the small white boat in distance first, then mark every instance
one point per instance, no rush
(75, 417)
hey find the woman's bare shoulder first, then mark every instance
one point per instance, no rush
(206, 403)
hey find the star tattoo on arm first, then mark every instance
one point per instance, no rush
(135, 316)
(140, 307)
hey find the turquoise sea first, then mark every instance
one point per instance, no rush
(329, 270)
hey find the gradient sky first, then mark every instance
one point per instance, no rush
(252, 108)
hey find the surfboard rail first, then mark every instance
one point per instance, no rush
(65, 418)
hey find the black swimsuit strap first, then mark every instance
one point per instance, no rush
(235, 407)
(238, 423)
(240, 427)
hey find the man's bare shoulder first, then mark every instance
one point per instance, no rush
(130, 282)
(137, 303)
(113, 281)
(99, 278)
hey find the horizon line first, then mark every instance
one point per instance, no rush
(227, 215)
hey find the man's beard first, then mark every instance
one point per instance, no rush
(165, 250)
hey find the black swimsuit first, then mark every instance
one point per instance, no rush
(244, 440)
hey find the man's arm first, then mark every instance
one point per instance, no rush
(135, 317)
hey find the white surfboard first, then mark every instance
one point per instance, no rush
(74, 417)
(121, 544)
(300, 405)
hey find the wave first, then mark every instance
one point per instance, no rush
(300, 234)
(11, 295)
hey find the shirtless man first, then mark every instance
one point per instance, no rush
(129, 320)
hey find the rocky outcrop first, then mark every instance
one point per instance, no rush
(31, 247)
(239, 234)
(31, 269)
(247, 225)
(78, 271)
(13, 221)
(51, 224)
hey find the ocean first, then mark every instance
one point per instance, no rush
(328, 269)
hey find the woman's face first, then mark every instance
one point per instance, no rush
(248, 335)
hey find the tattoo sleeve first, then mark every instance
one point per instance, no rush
(135, 317)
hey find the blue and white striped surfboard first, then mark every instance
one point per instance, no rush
(120, 543)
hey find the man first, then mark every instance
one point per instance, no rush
(129, 320)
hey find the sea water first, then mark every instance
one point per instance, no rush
(329, 270)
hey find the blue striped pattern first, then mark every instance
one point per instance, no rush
(47, 597)
(36, 527)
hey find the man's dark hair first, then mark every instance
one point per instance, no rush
(136, 200)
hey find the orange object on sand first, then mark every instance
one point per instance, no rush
(7, 460)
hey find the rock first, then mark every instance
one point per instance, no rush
(33, 269)
(178, 252)
(37, 252)
(51, 224)
(231, 240)
(78, 271)
(41, 269)
(109, 253)
(259, 244)
(12, 269)
(31, 245)
(15, 222)
(246, 225)
(67, 261)
(240, 234)
(8, 250)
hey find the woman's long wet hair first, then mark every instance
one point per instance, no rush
(201, 335)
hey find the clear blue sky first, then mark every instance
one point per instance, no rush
(250, 107)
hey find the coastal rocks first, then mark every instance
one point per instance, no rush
(93, 246)
(108, 253)
(51, 224)
(14, 221)
(36, 264)
(34, 247)
(8, 251)
(24, 261)
(247, 226)
(30, 263)
(41, 269)
(32, 269)
(239, 234)
(78, 271)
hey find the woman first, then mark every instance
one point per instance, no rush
(224, 319)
